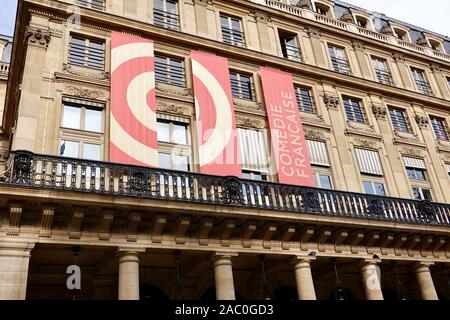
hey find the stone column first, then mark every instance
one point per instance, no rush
(201, 14)
(14, 262)
(405, 72)
(128, 275)
(223, 275)
(319, 51)
(361, 57)
(37, 40)
(303, 278)
(440, 81)
(426, 285)
(371, 278)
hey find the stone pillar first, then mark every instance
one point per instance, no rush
(426, 285)
(14, 262)
(201, 15)
(364, 65)
(440, 81)
(34, 66)
(319, 51)
(405, 72)
(223, 275)
(128, 275)
(303, 278)
(371, 278)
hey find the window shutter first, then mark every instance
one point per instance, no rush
(318, 153)
(414, 163)
(253, 150)
(369, 161)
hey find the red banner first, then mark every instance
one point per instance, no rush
(216, 127)
(133, 138)
(287, 135)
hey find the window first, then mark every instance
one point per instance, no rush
(369, 162)
(339, 60)
(421, 83)
(435, 45)
(318, 153)
(165, 14)
(440, 128)
(242, 86)
(353, 110)
(93, 4)
(361, 21)
(304, 99)
(87, 52)
(253, 153)
(322, 181)
(253, 175)
(401, 34)
(416, 174)
(399, 120)
(321, 9)
(232, 31)
(375, 188)
(81, 129)
(381, 71)
(422, 193)
(289, 46)
(169, 70)
(174, 150)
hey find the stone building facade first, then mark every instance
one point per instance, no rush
(374, 98)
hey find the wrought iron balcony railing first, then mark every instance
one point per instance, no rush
(56, 173)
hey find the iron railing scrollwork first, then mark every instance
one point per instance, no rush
(31, 170)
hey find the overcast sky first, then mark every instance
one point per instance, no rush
(429, 14)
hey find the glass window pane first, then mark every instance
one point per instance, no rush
(420, 175)
(410, 173)
(69, 149)
(179, 134)
(427, 194)
(164, 161)
(71, 117)
(92, 152)
(181, 163)
(368, 188)
(416, 193)
(325, 182)
(93, 120)
(379, 189)
(163, 130)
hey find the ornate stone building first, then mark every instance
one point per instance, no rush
(374, 100)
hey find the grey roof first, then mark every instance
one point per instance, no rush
(6, 57)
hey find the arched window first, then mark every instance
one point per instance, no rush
(323, 9)
(435, 45)
(401, 34)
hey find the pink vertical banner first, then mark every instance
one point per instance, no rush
(286, 130)
(216, 124)
(133, 137)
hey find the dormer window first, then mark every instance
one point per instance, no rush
(401, 34)
(361, 21)
(322, 9)
(435, 45)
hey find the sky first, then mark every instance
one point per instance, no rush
(429, 14)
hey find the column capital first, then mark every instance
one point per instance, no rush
(16, 248)
(224, 254)
(303, 259)
(37, 37)
(370, 261)
(421, 264)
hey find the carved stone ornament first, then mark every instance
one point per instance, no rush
(75, 71)
(312, 118)
(37, 36)
(361, 127)
(422, 120)
(313, 33)
(435, 67)
(85, 93)
(387, 30)
(398, 57)
(202, 2)
(358, 45)
(261, 17)
(379, 112)
(256, 106)
(247, 122)
(406, 136)
(315, 134)
(366, 143)
(347, 18)
(413, 152)
(422, 42)
(186, 92)
(303, 4)
(444, 144)
(173, 108)
(331, 102)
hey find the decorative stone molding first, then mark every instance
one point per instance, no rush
(331, 102)
(173, 108)
(357, 45)
(261, 17)
(315, 134)
(76, 71)
(413, 152)
(435, 68)
(85, 93)
(203, 3)
(313, 33)
(37, 37)
(398, 57)
(185, 92)
(379, 112)
(407, 136)
(444, 145)
(251, 123)
(422, 42)
(422, 120)
(366, 143)
(4, 156)
(303, 4)
(256, 106)
(312, 117)
(387, 30)
(361, 127)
